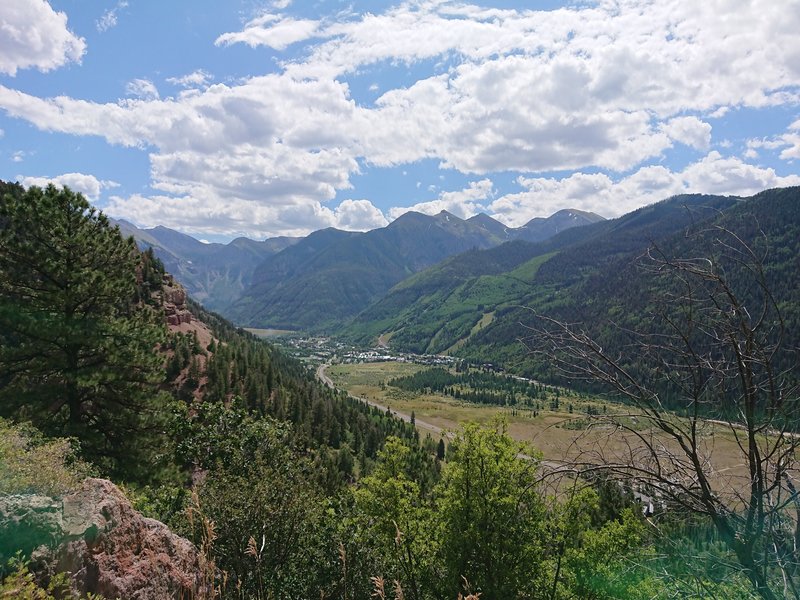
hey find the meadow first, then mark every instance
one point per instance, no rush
(560, 435)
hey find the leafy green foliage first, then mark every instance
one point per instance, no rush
(31, 464)
(490, 516)
(389, 529)
(21, 584)
(269, 517)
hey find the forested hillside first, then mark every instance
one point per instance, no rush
(609, 286)
(321, 288)
(473, 304)
(330, 276)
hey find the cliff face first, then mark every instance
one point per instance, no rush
(104, 545)
(175, 308)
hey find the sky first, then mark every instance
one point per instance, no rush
(267, 118)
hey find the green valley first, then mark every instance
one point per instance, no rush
(663, 411)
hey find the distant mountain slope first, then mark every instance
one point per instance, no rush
(600, 280)
(323, 280)
(454, 293)
(472, 297)
(540, 229)
(313, 285)
(214, 274)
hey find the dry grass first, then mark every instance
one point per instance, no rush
(267, 333)
(558, 435)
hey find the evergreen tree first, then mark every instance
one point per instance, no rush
(76, 349)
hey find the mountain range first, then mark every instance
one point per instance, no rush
(322, 281)
(479, 304)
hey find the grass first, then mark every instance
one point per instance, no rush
(368, 380)
(484, 321)
(558, 434)
(265, 333)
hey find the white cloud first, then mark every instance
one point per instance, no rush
(88, 185)
(604, 86)
(359, 215)
(198, 78)
(197, 214)
(33, 35)
(719, 113)
(597, 192)
(690, 131)
(142, 88)
(788, 143)
(109, 18)
(462, 203)
(275, 31)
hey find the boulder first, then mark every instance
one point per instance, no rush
(175, 295)
(105, 546)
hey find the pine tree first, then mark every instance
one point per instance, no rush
(76, 349)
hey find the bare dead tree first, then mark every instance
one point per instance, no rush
(706, 368)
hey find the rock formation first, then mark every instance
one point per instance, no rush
(174, 297)
(104, 545)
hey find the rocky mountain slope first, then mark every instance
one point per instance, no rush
(103, 545)
(214, 274)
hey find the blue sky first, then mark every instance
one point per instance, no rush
(256, 118)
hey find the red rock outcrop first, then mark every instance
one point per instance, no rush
(108, 548)
(174, 298)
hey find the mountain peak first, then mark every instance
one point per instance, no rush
(541, 228)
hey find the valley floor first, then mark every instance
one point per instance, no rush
(567, 435)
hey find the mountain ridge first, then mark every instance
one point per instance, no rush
(214, 274)
(472, 305)
(328, 286)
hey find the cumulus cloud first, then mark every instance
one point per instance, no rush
(198, 214)
(88, 185)
(792, 141)
(788, 143)
(462, 203)
(33, 35)
(520, 91)
(271, 30)
(359, 215)
(690, 131)
(597, 192)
